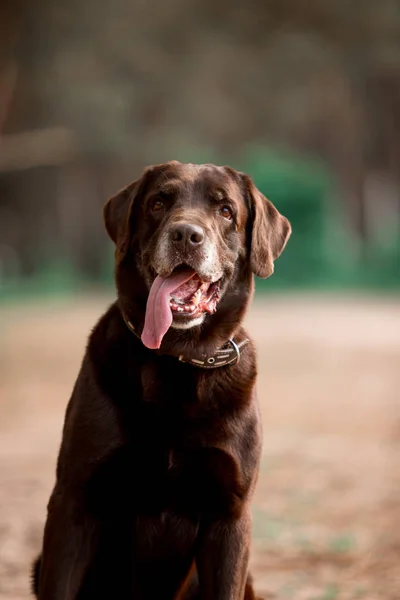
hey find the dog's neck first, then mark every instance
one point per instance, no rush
(227, 354)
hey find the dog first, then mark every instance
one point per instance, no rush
(162, 435)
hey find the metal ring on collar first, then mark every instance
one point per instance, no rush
(236, 349)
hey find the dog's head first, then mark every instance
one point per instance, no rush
(188, 239)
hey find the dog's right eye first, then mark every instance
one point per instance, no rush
(157, 204)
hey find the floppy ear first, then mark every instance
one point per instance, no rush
(270, 231)
(117, 213)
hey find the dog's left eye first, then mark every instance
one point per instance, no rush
(158, 204)
(225, 212)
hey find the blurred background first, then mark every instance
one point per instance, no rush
(304, 96)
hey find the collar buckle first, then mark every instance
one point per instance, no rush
(229, 354)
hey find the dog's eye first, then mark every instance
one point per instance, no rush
(158, 204)
(225, 212)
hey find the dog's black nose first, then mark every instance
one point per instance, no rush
(187, 235)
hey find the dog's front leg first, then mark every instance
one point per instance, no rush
(222, 559)
(68, 545)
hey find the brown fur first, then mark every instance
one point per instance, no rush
(159, 459)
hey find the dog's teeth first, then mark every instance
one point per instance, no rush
(180, 308)
(196, 297)
(192, 308)
(187, 307)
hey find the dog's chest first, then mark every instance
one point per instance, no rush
(190, 480)
(181, 454)
(181, 463)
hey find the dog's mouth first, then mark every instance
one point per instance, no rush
(194, 296)
(182, 296)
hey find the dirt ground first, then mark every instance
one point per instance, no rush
(327, 507)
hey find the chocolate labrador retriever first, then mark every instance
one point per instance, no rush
(162, 435)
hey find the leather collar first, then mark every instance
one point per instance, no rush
(228, 354)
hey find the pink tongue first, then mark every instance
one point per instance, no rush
(158, 317)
